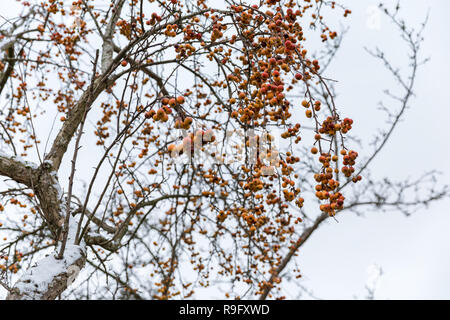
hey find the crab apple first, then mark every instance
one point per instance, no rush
(289, 45)
(180, 99)
(187, 122)
(171, 148)
(167, 109)
(160, 113)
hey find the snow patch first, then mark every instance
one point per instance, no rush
(56, 185)
(39, 277)
(26, 163)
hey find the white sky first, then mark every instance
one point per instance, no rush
(413, 252)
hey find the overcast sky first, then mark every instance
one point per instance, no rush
(413, 252)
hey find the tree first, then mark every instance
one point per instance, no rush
(178, 128)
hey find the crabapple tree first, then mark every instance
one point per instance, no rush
(159, 148)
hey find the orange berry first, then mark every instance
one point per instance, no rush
(171, 147)
(180, 99)
(187, 122)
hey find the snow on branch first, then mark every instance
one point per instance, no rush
(49, 277)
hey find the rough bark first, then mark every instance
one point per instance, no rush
(18, 170)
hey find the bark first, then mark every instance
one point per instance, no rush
(19, 171)
(108, 44)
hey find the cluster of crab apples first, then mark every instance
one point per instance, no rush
(327, 187)
(162, 114)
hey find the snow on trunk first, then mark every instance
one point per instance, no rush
(49, 277)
